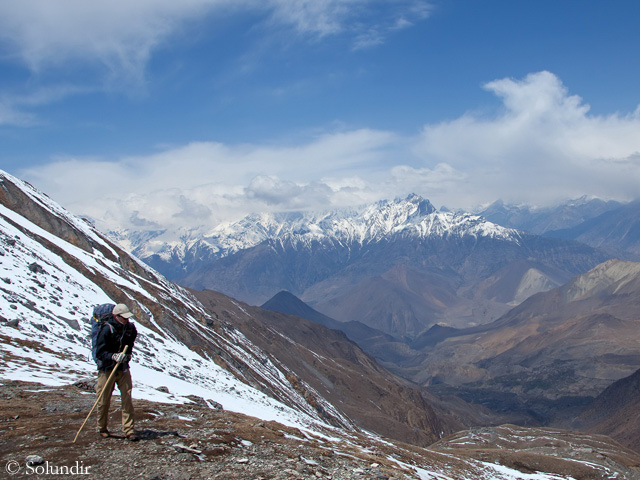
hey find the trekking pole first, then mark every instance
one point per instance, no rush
(113, 372)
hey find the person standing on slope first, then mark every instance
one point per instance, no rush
(114, 334)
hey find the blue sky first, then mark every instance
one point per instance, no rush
(198, 111)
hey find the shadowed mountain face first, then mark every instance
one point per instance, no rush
(383, 347)
(615, 412)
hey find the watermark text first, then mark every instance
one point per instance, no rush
(14, 467)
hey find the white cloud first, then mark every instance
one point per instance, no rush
(17, 109)
(10, 115)
(119, 34)
(287, 195)
(122, 34)
(543, 146)
(369, 22)
(214, 180)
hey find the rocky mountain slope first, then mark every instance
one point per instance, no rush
(339, 371)
(550, 355)
(55, 267)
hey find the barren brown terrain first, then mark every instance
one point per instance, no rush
(195, 442)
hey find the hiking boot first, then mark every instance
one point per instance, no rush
(132, 437)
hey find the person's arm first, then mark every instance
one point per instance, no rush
(132, 334)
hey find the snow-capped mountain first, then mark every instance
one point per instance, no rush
(413, 217)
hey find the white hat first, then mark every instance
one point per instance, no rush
(122, 310)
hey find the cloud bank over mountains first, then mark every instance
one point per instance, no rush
(541, 145)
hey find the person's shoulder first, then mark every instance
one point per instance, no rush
(107, 327)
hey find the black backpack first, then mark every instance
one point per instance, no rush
(101, 313)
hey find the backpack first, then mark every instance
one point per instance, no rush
(101, 313)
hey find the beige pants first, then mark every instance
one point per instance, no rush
(123, 380)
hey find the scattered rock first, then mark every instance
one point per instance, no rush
(184, 449)
(215, 405)
(36, 268)
(87, 383)
(201, 402)
(34, 460)
(71, 322)
(163, 389)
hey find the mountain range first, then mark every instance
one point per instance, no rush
(540, 220)
(608, 225)
(397, 266)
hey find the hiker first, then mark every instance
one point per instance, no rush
(116, 332)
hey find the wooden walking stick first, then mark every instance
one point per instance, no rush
(113, 372)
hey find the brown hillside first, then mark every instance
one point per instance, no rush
(339, 370)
